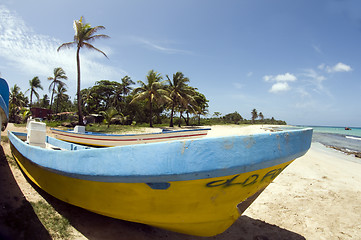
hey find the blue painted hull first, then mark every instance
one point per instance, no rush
(4, 104)
(172, 161)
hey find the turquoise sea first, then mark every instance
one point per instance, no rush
(347, 140)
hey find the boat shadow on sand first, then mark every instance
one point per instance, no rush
(95, 226)
(17, 217)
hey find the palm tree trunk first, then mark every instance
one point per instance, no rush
(180, 118)
(31, 97)
(57, 105)
(186, 120)
(52, 95)
(151, 113)
(80, 115)
(171, 116)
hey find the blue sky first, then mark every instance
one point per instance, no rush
(299, 61)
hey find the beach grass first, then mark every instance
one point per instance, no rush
(120, 128)
(5, 139)
(11, 160)
(56, 224)
(111, 129)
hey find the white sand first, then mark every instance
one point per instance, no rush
(316, 197)
(227, 130)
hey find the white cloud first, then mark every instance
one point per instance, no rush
(36, 55)
(312, 74)
(339, 67)
(287, 77)
(316, 80)
(267, 78)
(281, 80)
(303, 93)
(279, 87)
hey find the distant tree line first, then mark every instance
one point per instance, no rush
(154, 101)
(236, 118)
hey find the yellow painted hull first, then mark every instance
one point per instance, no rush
(203, 207)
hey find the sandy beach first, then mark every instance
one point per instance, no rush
(317, 197)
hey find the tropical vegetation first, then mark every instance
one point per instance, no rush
(154, 101)
(157, 100)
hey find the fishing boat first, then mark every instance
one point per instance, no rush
(4, 104)
(197, 187)
(80, 136)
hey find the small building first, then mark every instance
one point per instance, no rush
(94, 118)
(64, 116)
(40, 112)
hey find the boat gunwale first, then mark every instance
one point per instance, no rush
(87, 133)
(165, 176)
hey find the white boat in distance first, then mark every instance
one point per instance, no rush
(80, 136)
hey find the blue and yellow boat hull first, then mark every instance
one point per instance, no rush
(179, 186)
(4, 104)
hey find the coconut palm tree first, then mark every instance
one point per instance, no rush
(254, 115)
(59, 73)
(261, 116)
(126, 82)
(179, 92)
(116, 99)
(17, 100)
(84, 34)
(44, 102)
(217, 114)
(60, 92)
(14, 96)
(202, 105)
(87, 96)
(153, 91)
(34, 85)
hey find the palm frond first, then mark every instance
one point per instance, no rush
(66, 45)
(89, 46)
(139, 97)
(99, 36)
(93, 30)
(36, 94)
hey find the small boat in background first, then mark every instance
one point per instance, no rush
(4, 104)
(347, 128)
(80, 136)
(197, 187)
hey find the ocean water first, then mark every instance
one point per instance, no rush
(347, 140)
